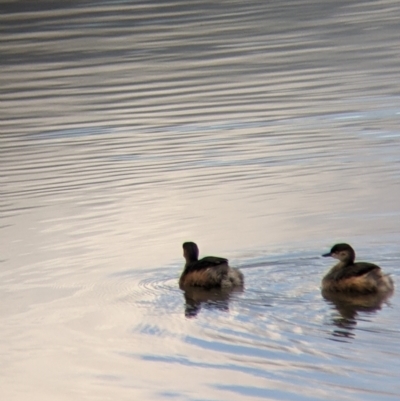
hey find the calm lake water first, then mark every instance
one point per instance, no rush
(264, 131)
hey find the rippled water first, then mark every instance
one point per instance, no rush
(264, 132)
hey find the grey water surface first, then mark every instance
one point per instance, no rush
(264, 131)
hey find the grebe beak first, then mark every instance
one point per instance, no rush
(325, 255)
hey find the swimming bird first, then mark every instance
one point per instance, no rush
(356, 278)
(208, 272)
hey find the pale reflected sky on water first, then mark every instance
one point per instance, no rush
(264, 132)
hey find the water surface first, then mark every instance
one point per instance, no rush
(264, 132)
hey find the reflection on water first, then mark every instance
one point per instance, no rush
(196, 298)
(264, 131)
(351, 307)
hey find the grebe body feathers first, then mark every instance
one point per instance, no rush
(348, 276)
(208, 272)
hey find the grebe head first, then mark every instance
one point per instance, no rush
(343, 252)
(190, 251)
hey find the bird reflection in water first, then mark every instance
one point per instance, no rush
(197, 298)
(349, 307)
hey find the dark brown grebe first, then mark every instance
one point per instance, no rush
(357, 278)
(208, 272)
